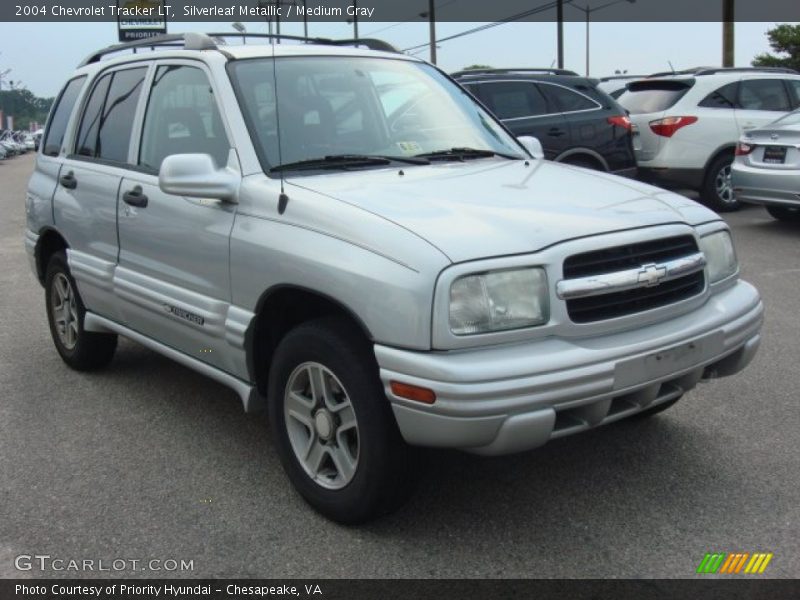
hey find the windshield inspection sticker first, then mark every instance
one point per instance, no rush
(409, 147)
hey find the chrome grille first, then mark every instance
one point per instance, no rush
(623, 280)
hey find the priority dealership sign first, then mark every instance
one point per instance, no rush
(139, 19)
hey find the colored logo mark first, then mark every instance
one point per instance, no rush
(734, 563)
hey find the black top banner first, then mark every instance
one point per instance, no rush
(394, 10)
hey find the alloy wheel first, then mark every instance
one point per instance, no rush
(321, 425)
(65, 311)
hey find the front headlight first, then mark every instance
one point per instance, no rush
(498, 301)
(720, 255)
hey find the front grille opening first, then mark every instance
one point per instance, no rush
(633, 256)
(610, 306)
(622, 258)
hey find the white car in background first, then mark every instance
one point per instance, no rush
(689, 124)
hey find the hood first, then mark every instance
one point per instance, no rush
(495, 207)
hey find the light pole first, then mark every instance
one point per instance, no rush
(588, 13)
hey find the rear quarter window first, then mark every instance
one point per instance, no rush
(567, 100)
(644, 97)
(54, 137)
(724, 97)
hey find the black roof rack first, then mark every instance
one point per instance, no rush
(511, 70)
(211, 41)
(699, 71)
(713, 70)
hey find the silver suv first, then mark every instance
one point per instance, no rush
(346, 238)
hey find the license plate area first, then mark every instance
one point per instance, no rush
(668, 361)
(775, 155)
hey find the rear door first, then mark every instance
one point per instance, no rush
(649, 100)
(761, 101)
(173, 280)
(44, 180)
(85, 202)
(525, 110)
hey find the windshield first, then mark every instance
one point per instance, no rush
(339, 105)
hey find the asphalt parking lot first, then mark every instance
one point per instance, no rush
(148, 460)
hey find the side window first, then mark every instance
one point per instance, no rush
(114, 136)
(86, 142)
(724, 97)
(107, 122)
(182, 117)
(763, 94)
(514, 99)
(566, 100)
(794, 85)
(60, 118)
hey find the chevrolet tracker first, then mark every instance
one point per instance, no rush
(353, 244)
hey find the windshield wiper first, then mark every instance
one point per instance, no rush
(460, 153)
(344, 161)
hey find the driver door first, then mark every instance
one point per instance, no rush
(173, 276)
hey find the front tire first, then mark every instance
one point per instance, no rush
(717, 189)
(82, 350)
(332, 424)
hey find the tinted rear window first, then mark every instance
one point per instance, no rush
(653, 96)
(58, 121)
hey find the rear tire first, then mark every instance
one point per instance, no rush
(333, 426)
(82, 350)
(717, 191)
(788, 214)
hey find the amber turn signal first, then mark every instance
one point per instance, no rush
(413, 392)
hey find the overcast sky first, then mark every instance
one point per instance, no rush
(42, 55)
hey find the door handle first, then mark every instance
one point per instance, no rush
(556, 132)
(135, 197)
(69, 181)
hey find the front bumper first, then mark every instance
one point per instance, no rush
(511, 398)
(770, 187)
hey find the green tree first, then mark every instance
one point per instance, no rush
(24, 107)
(785, 41)
(473, 67)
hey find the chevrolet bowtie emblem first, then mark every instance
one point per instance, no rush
(652, 274)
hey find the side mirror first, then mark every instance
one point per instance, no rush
(532, 145)
(197, 176)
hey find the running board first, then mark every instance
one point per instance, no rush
(252, 401)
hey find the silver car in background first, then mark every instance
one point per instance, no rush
(767, 168)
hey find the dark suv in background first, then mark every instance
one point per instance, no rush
(575, 122)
